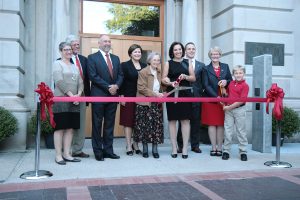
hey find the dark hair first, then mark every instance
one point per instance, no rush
(192, 43)
(171, 53)
(134, 47)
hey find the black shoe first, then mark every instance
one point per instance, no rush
(129, 153)
(62, 162)
(81, 155)
(155, 155)
(213, 153)
(218, 153)
(225, 156)
(174, 155)
(244, 157)
(99, 156)
(137, 151)
(73, 160)
(145, 155)
(111, 156)
(185, 156)
(196, 150)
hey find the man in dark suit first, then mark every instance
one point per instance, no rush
(190, 51)
(106, 76)
(81, 62)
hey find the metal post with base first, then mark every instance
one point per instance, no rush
(278, 163)
(37, 174)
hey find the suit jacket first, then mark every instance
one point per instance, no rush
(128, 88)
(197, 85)
(86, 81)
(99, 74)
(210, 80)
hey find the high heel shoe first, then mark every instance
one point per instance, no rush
(129, 153)
(137, 151)
(145, 155)
(185, 156)
(174, 155)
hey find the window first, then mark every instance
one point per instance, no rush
(121, 19)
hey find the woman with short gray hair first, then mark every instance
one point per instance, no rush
(148, 121)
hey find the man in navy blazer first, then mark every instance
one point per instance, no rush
(81, 62)
(190, 51)
(106, 77)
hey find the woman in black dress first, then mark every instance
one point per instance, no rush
(174, 71)
(130, 70)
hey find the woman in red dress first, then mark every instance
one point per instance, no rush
(216, 76)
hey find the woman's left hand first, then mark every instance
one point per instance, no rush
(222, 83)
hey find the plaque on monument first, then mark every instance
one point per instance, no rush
(253, 49)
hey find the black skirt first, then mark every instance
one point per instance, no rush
(67, 120)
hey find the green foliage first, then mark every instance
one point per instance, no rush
(290, 124)
(8, 124)
(46, 127)
(133, 20)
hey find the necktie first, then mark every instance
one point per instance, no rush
(79, 67)
(110, 67)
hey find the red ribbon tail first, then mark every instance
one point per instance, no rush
(43, 113)
(267, 107)
(51, 117)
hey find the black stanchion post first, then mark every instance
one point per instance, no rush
(37, 174)
(278, 163)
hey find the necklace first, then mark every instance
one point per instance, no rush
(74, 72)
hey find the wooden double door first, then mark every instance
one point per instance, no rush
(120, 47)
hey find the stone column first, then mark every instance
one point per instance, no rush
(61, 23)
(261, 121)
(178, 19)
(189, 26)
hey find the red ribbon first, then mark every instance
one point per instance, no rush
(46, 99)
(275, 94)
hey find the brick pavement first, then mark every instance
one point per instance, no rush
(259, 184)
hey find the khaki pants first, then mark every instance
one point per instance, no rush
(235, 117)
(79, 134)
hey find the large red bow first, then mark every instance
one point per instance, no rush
(275, 94)
(46, 99)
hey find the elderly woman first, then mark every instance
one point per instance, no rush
(148, 122)
(215, 78)
(130, 70)
(67, 82)
(175, 70)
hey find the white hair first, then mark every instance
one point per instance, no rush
(71, 38)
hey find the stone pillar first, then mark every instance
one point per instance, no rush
(189, 26)
(178, 19)
(261, 121)
(61, 23)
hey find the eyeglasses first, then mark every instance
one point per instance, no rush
(67, 49)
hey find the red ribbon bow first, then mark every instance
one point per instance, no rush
(46, 99)
(275, 94)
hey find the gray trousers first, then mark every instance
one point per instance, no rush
(235, 117)
(79, 134)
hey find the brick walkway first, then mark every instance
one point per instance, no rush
(246, 185)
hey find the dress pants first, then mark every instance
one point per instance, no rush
(103, 113)
(79, 134)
